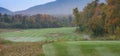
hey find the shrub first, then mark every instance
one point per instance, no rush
(118, 31)
(2, 41)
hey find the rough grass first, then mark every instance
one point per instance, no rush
(83, 48)
(34, 35)
(8, 30)
(3, 41)
(22, 49)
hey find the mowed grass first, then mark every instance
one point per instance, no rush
(83, 48)
(34, 35)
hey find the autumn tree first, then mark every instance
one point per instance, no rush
(78, 20)
(92, 17)
(113, 16)
(97, 21)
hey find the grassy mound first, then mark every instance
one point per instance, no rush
(83, 48)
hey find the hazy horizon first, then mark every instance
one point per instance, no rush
(18, 5)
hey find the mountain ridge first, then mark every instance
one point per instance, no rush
(58, 7)
(5, 11)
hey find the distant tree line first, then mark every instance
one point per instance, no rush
(34, 21)
(99, 18)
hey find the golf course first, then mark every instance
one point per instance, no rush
(83, 48)
(37, 35)
(65, 42)
(60, 28)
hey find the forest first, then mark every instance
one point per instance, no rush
(99, 18)
(34, 21)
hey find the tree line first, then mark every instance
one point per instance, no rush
(99, 18)
(34, 21)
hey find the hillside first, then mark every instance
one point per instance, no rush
(5, 11)
(58, 7)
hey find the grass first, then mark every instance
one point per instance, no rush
(22, 49)
(3, 41)
(30, 42)
(83, 48)
(35, 35)
(8, 30)
(26, 41)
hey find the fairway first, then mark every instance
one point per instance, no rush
(34, 35)
(83, 48)
(67, 46)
